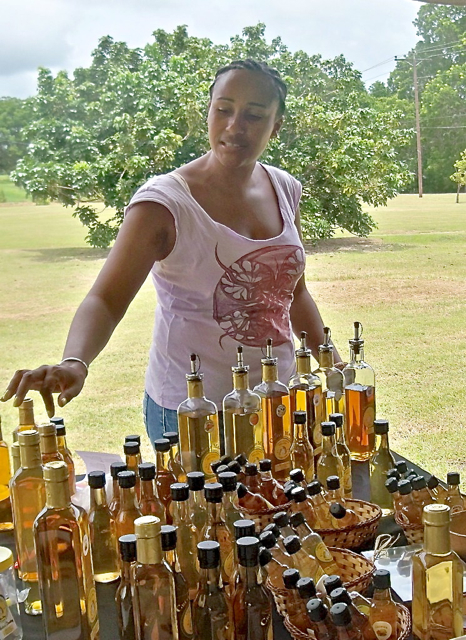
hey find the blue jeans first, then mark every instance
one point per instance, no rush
(157, 419)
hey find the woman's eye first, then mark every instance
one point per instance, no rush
(253, 116)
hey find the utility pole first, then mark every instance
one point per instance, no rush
(418, 128)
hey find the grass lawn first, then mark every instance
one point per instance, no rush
(406, 284)
(9, 192)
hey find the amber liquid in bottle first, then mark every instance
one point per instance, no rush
(198, 426)
(133, 459)
(216, 529)
(48, 443)
(302, 454)
(103, 531)
(26, 418)
(329, 463)
(149, 503)
(344, 453)
(114, 504)
(6, 516)
(197, 503)
(28, 498)
(61, 534)
(123, 596)
(164, 478)
(129, 510)
(380, 463)
(174, 456)
(65, 452)
(277, 434)
(331, 378)
(383, 613)
(187, 536)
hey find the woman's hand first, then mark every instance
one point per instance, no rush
(67, 379)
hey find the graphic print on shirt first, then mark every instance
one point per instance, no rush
(253, 296)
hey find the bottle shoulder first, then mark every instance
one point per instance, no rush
(244, 399)
(272, 388)
(305, 381)
(200, 407)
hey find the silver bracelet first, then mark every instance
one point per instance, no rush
(73, 359)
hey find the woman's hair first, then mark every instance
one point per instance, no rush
(270, 73)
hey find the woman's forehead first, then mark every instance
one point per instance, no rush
(245, 85)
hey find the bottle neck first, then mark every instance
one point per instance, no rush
(326, 359)
(26, 417)
(126, 571)
(328, 444)
(437, 539)
(299, 431)
(197, 500)
(383, 442)
(116, 490)
(195, 389)
(303, 364)
(170, 557)
(180, 512)
(30, 456)
(215, 513)
(228, 502)
(269, 372)
(210, 577)
(356, 354)
(127, 498)
(304, 530)
(162, 461)
(453, 489)
(149, 550)
(61, 442)
(248, 576)
(48, 444)
(241, 380)
(98, 497)
(57, 495)
(382, 594)
(1, 435)
(132, 461)
(147, 489)
(266, 476)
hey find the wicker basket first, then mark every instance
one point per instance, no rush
(357, 535)
(355, 572)
(414, 532)
(265, 517)
(404, 626)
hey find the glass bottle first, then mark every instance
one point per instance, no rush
(123, 596)
(391, 485)
(65, 452)
(437, 607)
(216, 528)
(453, 497)
(153, 585)
(10, 619)
(340, 594)
(334, 491)
(306, 395)
(278, 562)
(197, 503)
(149, 504)
(252, 478)
(297, 476)
(421, 495)
(241, 529)
(182, 596)
(242, 415)
(321, 623)
(331, 378)
(277, 434)
(313, 544)
(174, 457)
(411, 513)
(48, 443)
(230, 508)
(129, 509)
(251, 502)
(295, 606)
(271, 489)
(402, 468)
(303, 504)
(360, 400)
(64, 560)
(341, 617)
(198, 426)
(329, 463)
(26, 417)
(251, 602)
(114, 504)
(301, 452)
(306, 565)
(320, 505)
(342, 517)
(381, 461)
(15, 457)
(433, 486)
(383, 613)
(211, 614)
(164, 478)
(133, 438)
(133, 459)
(343, 451)
(187, 534)
(28, 498)
(6, 516)
(103, 531)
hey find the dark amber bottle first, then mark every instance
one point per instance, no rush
(103, 531)
(164, 478)
(149, 503)
(114, 504)
(271, 489)
(216, 528)
(341, 617)
(129, 509)
(123, 596)
(133, 460)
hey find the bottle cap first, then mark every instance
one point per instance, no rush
(215, 465)
(290, 578)
(47, 429)
(234, 467)
(146, 526)
(411, 474)
(213, 492)
(292, 544)
(168, 537)
(418, 483)
(265, 465)
(436, 515)
(264, 556)
(241, 490)
(337, 510)
(127, 546)
(332, 582)
(116, 467)
(228, 480)
(274, 529)
(381, 579)
(146, 470)
(133, 438)
(299, 494)
(453, 477)
(131, 448)
(56, 471)
(316, 609)
(401, 466)
(306, 588)
(340, 594)
(393, 473)
(61, 430)
(96, 479)
(433, 482)
(267, 539)
(296, 519)
(241, 459)
(314, 488)
(196, 480)
(328, 428)
(333, 483)
(208, 553)
(296, 475)
(223, 468)
(248, 551)
(404, 487)
(226, 459)
(172, 437)
(380, 426)
(341, 615)
(244, 529)
(299, 417)
(281, 519)
(126, 479)
(179, 491)
(337, 418)
(56, 420)
(250, 469)
(392, 485)
(162, 445)
(288, 488)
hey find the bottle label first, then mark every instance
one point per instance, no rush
(368, 419)
(322, 553)
(282, 448)
(255, 456)
(7, 623)
(209, 425)
(85, 544)
(282, 466)
(281, 410)
(317, 435)
(92, 605)
(317, 399)
(210, 456)
(383, 630)
(187, 621)
(253, 419)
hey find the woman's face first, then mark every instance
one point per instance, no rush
(242, 117)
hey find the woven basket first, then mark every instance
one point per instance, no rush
(355, 572)
(357, 535)
(265, 517)
(414, 532)
(404, 626)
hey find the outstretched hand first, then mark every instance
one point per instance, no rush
(67, 379)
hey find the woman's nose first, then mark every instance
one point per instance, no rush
(236, 123)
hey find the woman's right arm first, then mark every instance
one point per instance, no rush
(147, 235)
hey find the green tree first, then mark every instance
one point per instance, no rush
(460, 174)
(15, 114)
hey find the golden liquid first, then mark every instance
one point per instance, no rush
(302, 457)
(312, 402)
(329, 464)
(155, 609)
(211, 616)
(199, 442)
(379, 464)
(360, 414)
(252, 609)
(383, 618)
(104, 544)
(149, 504)
(5, 469)
(187, 539)
(124, 605)
(344, 453)
(243, 434)
(217, 530)
(127, 514)
(182, 601)
(6, 516)
(68, 458)
(65, 566)
(277, 434)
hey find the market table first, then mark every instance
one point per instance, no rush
(32, 626)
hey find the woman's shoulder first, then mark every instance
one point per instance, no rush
(290, 186)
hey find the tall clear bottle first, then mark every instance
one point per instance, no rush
(149, 503)
(65, 452)
(6, 516)
(197, 503)
(123, 596)
(329, 463)
(306, 395)
(198, 426)
(242, 416)
(174, 456)
(277, 433)
(381, 462)
(64, 559)
(437, 607)
(360, 400)
(187, 534)
(129, 510)
(216, 528)
(26, 417)
(343, 451)
(301, 452)
(103, 531)
(28, 498)
(330, 377)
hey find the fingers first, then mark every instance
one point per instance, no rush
(70, 392)
(30, 380)
(14, 382)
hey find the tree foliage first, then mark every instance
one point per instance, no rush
(15, 114)
(134, 113)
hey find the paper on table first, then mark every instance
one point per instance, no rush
(97, 461)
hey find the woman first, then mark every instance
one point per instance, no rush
(221, 237)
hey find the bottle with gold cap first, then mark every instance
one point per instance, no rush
(198, 426)
(6, 516)
(103, 531)
(277, 433)
(437, 608)
(331, 378)
(306, 395)
(65, 452)
(242, 415)
(28, 498)
(360, 400)
(48, 443)
(64, 559)
(26, 417)
(153, 585)
(344, 452)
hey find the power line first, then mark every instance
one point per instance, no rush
(379, 64)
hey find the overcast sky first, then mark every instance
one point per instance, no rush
(61, 34)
